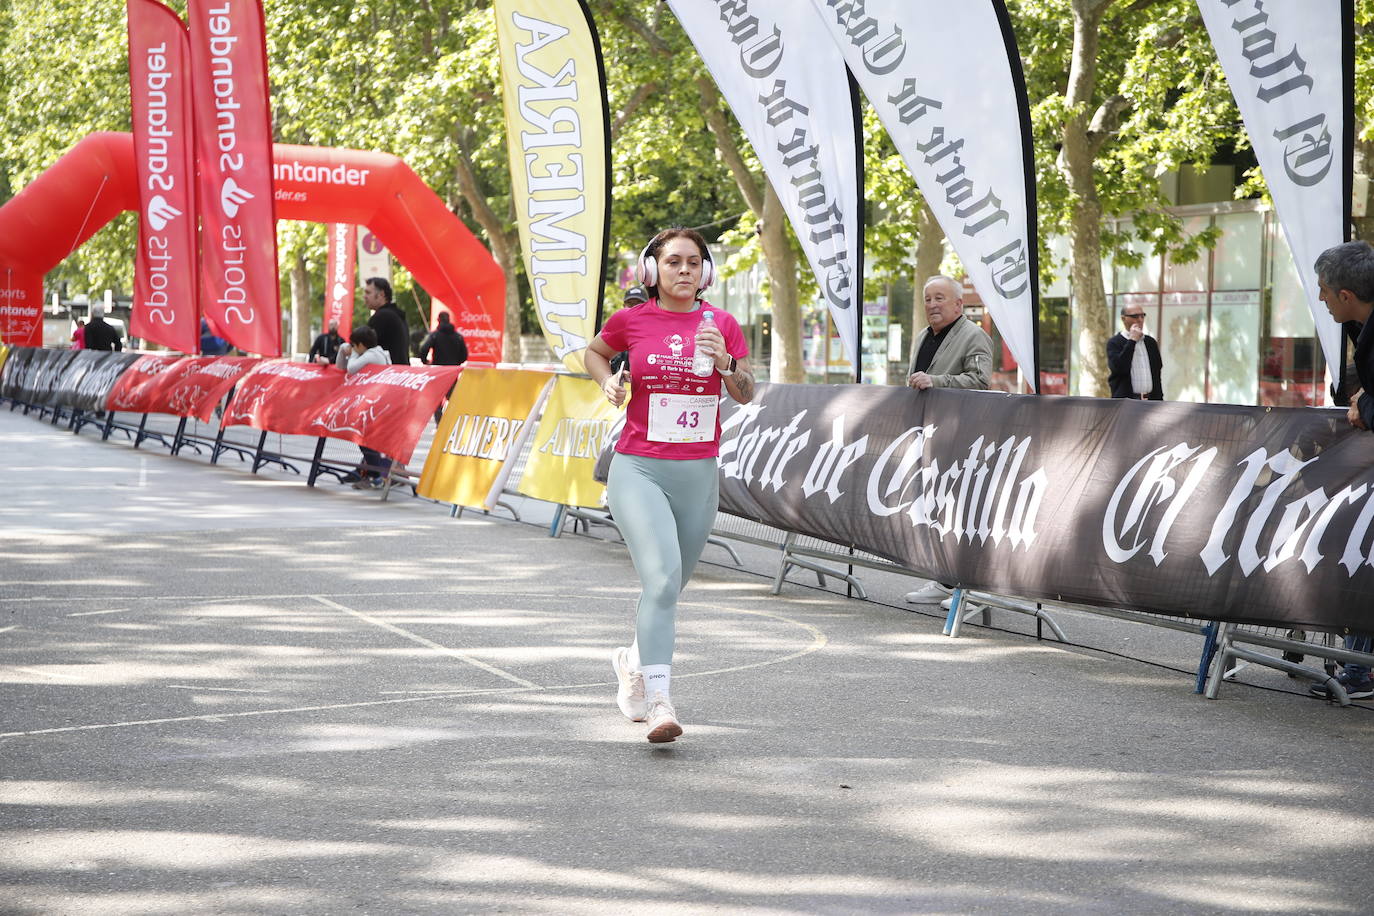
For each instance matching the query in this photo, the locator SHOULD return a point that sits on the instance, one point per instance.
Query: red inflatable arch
(95, 181)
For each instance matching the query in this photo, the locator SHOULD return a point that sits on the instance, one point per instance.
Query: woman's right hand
(614, 388)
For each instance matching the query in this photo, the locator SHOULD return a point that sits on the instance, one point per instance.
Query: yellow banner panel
(577, 424)
(475, 436)
(557, 135)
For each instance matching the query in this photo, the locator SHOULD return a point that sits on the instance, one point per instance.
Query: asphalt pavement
(231, 693)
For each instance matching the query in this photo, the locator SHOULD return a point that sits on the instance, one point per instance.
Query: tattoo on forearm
(744, 384)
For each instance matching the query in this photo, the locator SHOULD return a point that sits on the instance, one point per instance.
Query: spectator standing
(79, 336)
(393, 333)
(1345, 275)
(1133, 361)
(363, 350)
(444, 346)
(325, 349)
(100, 334)
(952, 352)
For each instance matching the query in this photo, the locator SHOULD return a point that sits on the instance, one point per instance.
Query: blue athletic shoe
(1360, 689)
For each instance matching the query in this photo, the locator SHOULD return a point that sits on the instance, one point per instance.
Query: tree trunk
(1364, 163)
(1077, 157)
(300, 307)
(786, 362)
(930, 253)
(505, 248)
(506, 255)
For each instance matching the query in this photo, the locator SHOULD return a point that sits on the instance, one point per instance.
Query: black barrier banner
(1252, 515)
(88, 378)
(62, 386)
(14, 375)
(78, 379)
(46, 375)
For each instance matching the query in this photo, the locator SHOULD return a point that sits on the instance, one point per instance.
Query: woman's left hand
(710, 339)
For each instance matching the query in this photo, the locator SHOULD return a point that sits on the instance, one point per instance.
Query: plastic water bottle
(704, 363)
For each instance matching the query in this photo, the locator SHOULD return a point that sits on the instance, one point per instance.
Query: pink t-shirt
(663, 388)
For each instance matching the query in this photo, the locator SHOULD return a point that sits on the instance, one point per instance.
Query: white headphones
(646, 268)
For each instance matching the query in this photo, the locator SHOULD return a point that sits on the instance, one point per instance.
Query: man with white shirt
(1133, 370)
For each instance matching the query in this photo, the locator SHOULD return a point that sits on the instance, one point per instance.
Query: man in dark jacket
(1345, 275)
(444, 347)
(100, 335)
(1133, 360)
(393, 334)
(325, 349)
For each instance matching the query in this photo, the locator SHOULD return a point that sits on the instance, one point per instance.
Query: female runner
(663, 487)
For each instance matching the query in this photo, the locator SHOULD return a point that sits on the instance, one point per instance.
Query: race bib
(682, 417)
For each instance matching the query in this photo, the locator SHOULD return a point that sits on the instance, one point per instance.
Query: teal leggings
(665, 510)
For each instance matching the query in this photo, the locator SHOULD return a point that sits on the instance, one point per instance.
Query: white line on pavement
(41, 672)
(818, 641)
(413, 637)
(202, 687)
(216, 717)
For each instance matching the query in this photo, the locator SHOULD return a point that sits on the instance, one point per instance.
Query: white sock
(656, 680)
(633, 656)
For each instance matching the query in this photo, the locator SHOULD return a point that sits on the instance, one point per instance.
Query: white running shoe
(931, 594)
(663, 723)
(629, 694)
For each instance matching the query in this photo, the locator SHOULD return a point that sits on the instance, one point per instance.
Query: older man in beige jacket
(952, 353)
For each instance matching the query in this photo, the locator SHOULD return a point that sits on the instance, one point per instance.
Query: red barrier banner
(21, 308)
(193, 388)
(384, 407)
(339, 281)
(281, 396)
(164, 306)
(137, 383)
(240, 296)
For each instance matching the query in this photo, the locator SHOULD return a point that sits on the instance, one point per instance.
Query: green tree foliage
(65, 75)
(1121, 92)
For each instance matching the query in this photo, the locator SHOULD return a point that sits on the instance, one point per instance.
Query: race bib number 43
(682, 417)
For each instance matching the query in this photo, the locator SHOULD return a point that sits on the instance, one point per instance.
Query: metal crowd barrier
(1227, 647)
(1295, 646)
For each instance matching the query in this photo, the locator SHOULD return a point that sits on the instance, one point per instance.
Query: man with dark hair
(1133, 361)
(1345, 274)
(100, 334)
(361, 351)
(393, 334)
(444, 346)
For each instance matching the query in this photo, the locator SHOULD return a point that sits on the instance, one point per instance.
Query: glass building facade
(1233, 326)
